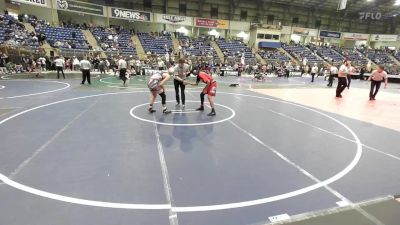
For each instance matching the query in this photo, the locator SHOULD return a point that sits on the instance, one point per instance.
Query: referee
(376, 79)
(85, 68)
(342, 78)
(181, 71)
(122, 66)
(333, 71)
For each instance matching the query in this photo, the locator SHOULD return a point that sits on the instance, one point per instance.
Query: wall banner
(212, 23)
(80, 7)
(383, 37)
(42, 3)
(329, 34)
(355, 36)
(173, 19)
(128, 14)
(305, 31)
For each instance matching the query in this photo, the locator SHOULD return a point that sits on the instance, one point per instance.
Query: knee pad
(163, 98)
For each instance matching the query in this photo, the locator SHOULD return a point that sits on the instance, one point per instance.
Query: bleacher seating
(155, 44)
(273, 55)
(235, 49)
(14, 34)
(378, 57)
(329, 54)
(121, 45)
(397, 55)
(64, 37)
(354, 56)
(300, 52)
(196, 47)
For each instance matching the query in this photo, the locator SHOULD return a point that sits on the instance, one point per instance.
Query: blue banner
(329, 34)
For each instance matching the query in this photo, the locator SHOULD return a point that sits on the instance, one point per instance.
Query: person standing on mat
(156, 86)
(342, 78)
(210, 90)
(60, 63)
(362, 72)
(376, 79)
(85, 68)
(122, 66)
(333, 71)
(314, 70)
(351, 70)
(181, 71)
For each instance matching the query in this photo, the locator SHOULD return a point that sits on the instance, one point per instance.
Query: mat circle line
(37, 93)
(131, 112)
(201, 208)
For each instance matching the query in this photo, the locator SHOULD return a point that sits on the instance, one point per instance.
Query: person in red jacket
(210, 90)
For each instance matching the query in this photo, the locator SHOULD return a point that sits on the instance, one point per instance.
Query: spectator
(59, 63)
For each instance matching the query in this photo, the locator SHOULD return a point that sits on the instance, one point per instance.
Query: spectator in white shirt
(314, 70)
(60, 63)
(75, 64)
(42, 61)
(332, 73)
(161, 64)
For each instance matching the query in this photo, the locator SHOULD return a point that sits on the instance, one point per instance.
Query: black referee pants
(122, 73)
(60, 69)
(342, 84)
(86, 75)
(375, 85)
(178, 84)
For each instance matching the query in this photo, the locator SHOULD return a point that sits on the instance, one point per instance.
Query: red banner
(223, 24)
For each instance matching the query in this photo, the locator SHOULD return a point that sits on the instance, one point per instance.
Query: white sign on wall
(355, 36)
(383, 37)
(173, 19)
(42, 3)
(239, 25)
(305, 31)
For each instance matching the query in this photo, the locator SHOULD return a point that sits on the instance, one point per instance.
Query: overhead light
(397, 3)
(183, 30)
(242, 34)
(213, 32)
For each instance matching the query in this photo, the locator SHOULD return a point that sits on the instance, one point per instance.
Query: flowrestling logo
(130, 14)
(174, 19)
(370, 15)
(62, 4)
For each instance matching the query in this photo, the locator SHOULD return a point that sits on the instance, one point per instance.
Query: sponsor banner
(355, 36)
(383, 37)
(42, 3)
(212, 23)
(128, 14)
(80, 7)
(173, 19)
(305, 31)
(329, 34)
